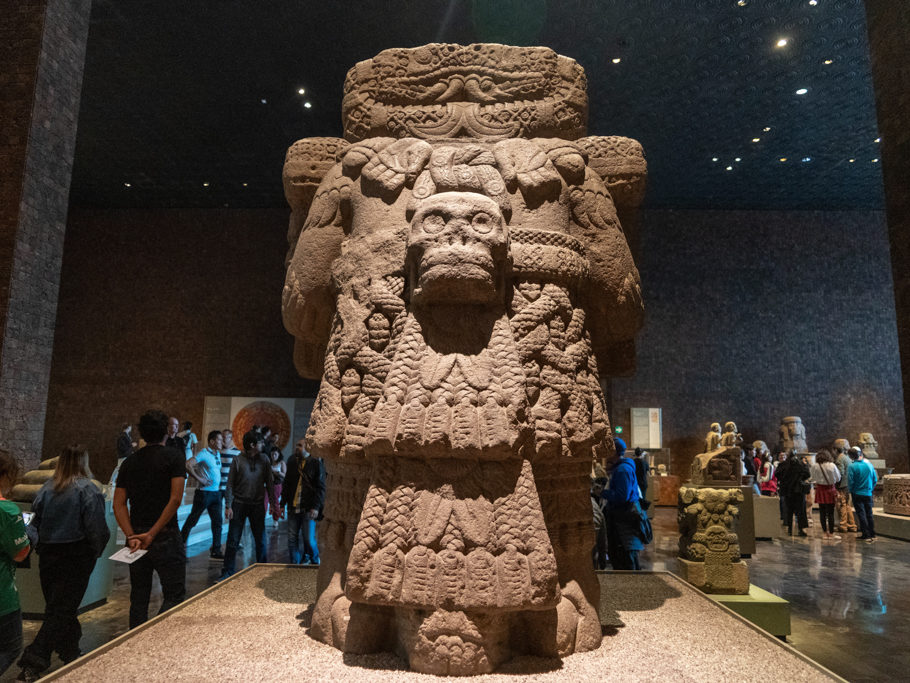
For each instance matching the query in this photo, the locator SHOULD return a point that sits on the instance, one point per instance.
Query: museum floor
(850, 606)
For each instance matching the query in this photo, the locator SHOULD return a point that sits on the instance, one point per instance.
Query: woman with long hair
(825, 476)
(72, 534)
(14, 547)
(766, 481)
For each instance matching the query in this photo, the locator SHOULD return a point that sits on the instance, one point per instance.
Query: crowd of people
(841, 478)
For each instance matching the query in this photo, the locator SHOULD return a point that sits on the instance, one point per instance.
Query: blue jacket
(623, 485)
(861, 478)
(74, 514)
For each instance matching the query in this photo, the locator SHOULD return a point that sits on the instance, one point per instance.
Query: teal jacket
(861, 478)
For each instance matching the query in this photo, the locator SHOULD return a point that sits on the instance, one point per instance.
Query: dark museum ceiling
(193, 103)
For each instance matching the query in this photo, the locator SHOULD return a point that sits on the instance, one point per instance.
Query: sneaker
(834, 537)
(870, 540)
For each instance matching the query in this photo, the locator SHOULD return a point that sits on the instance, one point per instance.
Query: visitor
(861, 479)
(825, 476)
(793, 480)
(599, 552)
(845, 519)
(174, 440)
(205, 468)
(151, 481)
(125, 444)
(228, 452)
(72, 534)
(807, 490)
(249, 481)
(189, 439)
(767, 482)
(641, 475)
(14, 547)
(303, 495)
(623, 513)
(279, 470)
(781, 503)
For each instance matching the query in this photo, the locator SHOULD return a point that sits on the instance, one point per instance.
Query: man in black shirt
(151, 480)
(174, 441)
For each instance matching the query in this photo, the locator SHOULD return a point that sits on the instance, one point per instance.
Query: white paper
(127, 556)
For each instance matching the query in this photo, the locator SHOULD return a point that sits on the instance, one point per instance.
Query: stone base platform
(893, 526)
(764, 609)
(671, 632)
(708, 577)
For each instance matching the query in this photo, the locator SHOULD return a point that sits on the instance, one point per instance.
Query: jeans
(10, 638)
(64, 571)
(167, 556)
(826, 513)
(210, 501)
(863, 506)
(297, 523)
(255, 512)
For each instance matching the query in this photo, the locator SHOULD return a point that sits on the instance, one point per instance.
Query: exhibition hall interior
(495, 339)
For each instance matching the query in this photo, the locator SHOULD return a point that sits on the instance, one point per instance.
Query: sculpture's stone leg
(452, 643)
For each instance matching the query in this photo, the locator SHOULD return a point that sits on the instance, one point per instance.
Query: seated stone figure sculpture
(459, 280)
(720, 464)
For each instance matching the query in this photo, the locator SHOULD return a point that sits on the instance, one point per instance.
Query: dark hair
(854, 453)
(214, 434)
(280, 453)
(250, 438)
(153, 426)
(9, 467)
(187, 425)
(125, 426)
(823, 456)
(265, 430)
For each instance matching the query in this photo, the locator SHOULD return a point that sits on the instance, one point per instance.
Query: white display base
(893, 526)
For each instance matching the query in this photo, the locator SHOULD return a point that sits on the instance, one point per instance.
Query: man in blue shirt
(861, 479)
(623, 513)
(205, 468)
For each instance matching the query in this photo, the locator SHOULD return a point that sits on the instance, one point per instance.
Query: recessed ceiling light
(766, 128)
(807, 159)
(713, 158)
(245, 184)
(802, 91)
(813, 2)
(781, 42)
(729, 168)
(126, 185)
(301, 91)
(263, 101)
(307, 105)
(877, 140)
(875, 161)
(737, 159)
(783, 159)
(742, 3)
(756, 139)
(829, 61)
(205, 184)
(852, 160)
(617, 60)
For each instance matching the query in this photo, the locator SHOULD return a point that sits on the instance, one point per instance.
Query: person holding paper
(151, 480)
(72, 533)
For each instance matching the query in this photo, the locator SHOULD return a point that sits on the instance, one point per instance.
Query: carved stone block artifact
(459, 281)
(792, 435)
(709, 556)
(869, 445)
(896, 494)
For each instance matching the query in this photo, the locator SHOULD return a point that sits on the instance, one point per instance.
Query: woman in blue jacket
(623, 513)
(72, 534)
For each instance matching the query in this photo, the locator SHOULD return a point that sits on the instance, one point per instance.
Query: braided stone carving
(458, 277)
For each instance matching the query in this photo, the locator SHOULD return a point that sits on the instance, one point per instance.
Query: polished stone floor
(850, 601)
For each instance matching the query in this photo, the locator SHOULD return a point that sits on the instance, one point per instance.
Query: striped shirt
(227, 457)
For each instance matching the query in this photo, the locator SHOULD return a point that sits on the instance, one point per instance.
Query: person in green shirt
(14, 547)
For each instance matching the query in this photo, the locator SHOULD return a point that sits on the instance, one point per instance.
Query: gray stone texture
(889, 42)
(43, 53)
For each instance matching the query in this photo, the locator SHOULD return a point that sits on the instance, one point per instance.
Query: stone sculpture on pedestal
(792, 435)
(460, 282)
(721, 464)
(712, 439)
(868, 443)
(709, 556)
(896, 494)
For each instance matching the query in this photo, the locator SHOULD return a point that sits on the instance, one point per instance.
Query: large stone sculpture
(792, 435)
(869, 445)
(460, 282)
(709, 556)
(896, 494)
(712, 439)
(721, 463)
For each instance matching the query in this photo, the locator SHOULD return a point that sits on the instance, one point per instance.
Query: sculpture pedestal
(712, 578)
(767, 517)
(893, 526)
(764, 609)
(667, 490)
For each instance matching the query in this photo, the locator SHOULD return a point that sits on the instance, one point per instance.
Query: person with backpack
(625, 517)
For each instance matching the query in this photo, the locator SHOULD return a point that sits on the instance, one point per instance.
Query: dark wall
(159, 309)
(752, 316)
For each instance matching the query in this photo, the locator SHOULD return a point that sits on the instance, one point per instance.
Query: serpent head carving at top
(458, 280)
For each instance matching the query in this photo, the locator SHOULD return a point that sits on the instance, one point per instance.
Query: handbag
(645, 532)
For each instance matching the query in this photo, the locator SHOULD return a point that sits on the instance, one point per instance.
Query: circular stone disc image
(263, 413)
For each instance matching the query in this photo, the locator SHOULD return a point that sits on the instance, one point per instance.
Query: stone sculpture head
(715, 427)
(730, 427)
(841, 446)
(459, 280)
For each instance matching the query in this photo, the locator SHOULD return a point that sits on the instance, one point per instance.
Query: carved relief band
(896, 494)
